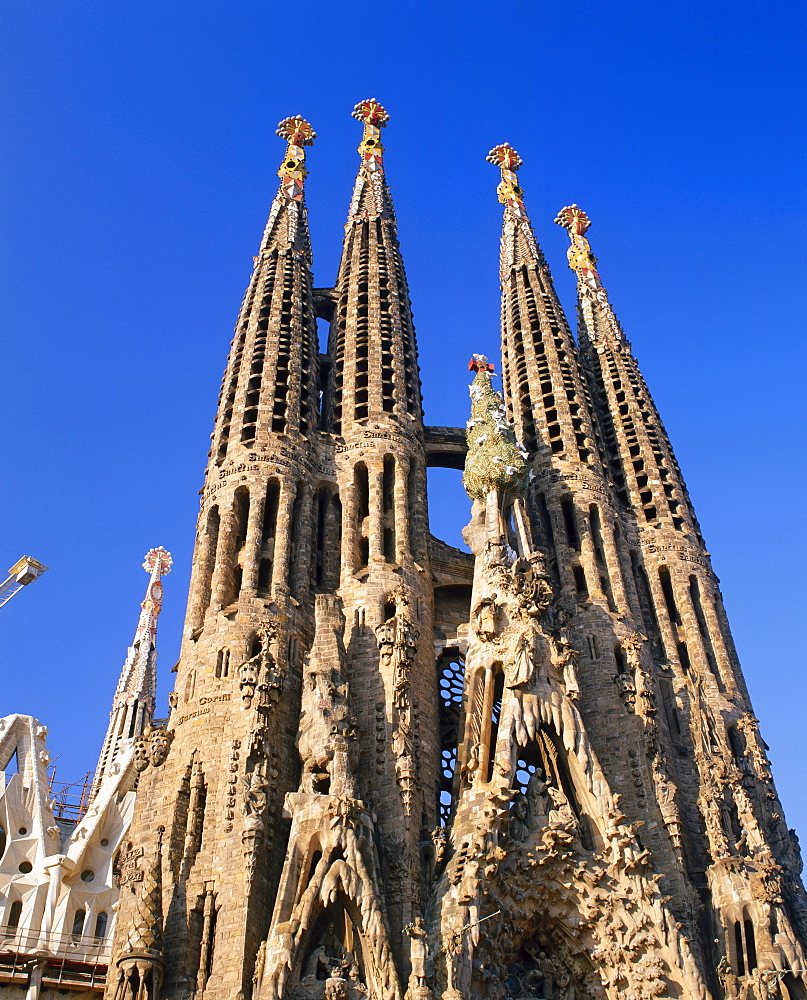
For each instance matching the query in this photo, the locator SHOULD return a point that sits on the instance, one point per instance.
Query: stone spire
(133, 704)
(372, 342)
(639, 454)
(545, 394)
(270, 385)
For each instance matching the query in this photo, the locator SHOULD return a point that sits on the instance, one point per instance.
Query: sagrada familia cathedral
(394, 770)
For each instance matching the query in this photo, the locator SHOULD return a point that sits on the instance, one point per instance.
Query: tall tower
(133, 704)
(396, 771)
(737, 851)
(218, 793)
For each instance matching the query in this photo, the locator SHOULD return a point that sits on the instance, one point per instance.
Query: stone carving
(485, 619)
(564, 658)
(259, 672)
(627, 690)
(255, 800)
(327, 735)
(419, 959)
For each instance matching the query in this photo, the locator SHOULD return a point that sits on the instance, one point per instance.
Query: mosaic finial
(574, 219)
(158, 562)
(508, 161)
(581, 260)
(296, 130)
(495, 462)
(375, 117)
(504, 156)
(298, 134)
(371, 113)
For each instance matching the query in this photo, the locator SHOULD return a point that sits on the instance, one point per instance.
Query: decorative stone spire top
(298, 134)
(583, 262)
(138, 679)
(508, 161)
(292, 173)
(375, 117)
(135, 695)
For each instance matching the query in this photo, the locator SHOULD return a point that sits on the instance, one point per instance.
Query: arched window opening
(621, 660)
(101, 922)
(14, 914)
(361, 486)
(750, 944)
(580, 584)
(599, 555)
(451, 680)
(299, 571)
(543, 535)
(570, 523)
(647, 605)
(207, 562)
(683, 657)
(268, 536)
(495, 715)
(78, 924)
(669, 596)
(703, 628)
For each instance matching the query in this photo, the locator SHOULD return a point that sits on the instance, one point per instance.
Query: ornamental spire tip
(374, 117)
(509, 191)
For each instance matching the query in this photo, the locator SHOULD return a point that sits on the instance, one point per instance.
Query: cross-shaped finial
(296, 130)
(504, 156)
(574, 219)
(371, 113)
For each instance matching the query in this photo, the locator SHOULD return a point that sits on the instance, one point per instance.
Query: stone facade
(397, 770)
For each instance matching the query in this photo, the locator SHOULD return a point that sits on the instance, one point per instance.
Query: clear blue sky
(138, 166)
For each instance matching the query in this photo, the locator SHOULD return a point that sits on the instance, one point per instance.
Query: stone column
(376, 484)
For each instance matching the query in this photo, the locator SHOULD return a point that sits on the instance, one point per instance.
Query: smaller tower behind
(134, 701)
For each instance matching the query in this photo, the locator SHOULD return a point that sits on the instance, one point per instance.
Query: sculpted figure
(565, 659)
(519, 827)
(486, 619)
(419, 955)
(523, 667)
(538, 797)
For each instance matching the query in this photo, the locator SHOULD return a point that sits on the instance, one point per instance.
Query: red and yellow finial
(374, 117)
(508, 161)
(298, 134)
(581, 260)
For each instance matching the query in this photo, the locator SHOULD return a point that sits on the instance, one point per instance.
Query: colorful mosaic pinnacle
(375, 117)
(158, 562)
(581, 260)
(508, 161)
(292, 173)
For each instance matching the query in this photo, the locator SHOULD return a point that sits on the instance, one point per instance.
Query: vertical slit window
(361, 485)
(388, 506)
(570, 523)
(495, 716)
(669, 596)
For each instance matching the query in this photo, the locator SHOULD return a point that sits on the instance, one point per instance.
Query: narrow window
(739, 948)
(361, 486)
(14, 915)
(750, 944)
(703, 628)
(669, 596)
(570, 523)
(683, 656)
(495, 714)
(580, 584)
(101, 922)
(298, 570)
(208, 545)
(388, 500)
(78, 924)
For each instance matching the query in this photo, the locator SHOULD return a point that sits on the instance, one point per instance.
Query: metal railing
(63, 946)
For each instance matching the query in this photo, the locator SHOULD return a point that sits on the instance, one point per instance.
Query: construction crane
(23, 572)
